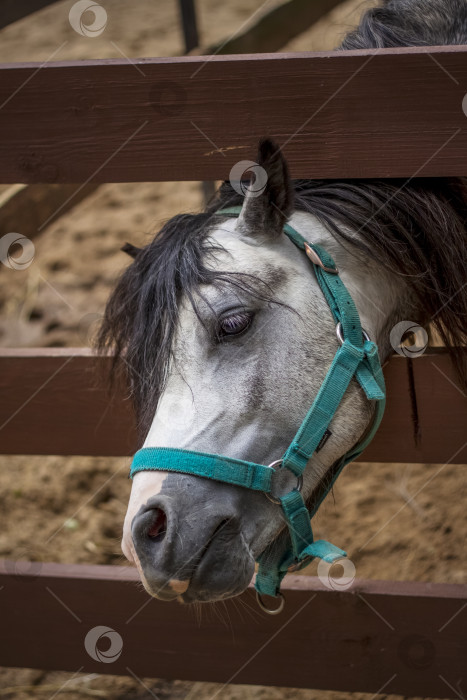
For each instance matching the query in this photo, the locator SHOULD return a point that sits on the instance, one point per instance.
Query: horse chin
(214, 579)
(222, 572)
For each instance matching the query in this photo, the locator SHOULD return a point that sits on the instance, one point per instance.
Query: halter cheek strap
(356, 357)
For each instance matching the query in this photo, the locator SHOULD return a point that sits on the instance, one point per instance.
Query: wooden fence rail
(325, 640)
(388, 113)
(51, 402)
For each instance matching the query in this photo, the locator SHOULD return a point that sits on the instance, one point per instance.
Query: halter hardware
(316, 260)
(271, 611)
(356, 357)
(340, 334)
(279, 464)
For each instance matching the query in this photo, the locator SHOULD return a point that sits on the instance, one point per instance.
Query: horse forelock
(142, 314)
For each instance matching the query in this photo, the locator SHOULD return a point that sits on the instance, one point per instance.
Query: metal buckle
(271, 611)
(314, 257)
(278, 465)
(340, 334)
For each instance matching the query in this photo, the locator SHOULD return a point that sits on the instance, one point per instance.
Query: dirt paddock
(402, 522)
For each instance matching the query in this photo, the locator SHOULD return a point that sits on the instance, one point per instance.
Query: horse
(225, 336)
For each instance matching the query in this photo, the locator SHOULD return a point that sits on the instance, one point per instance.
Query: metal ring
(278, 464)
(340, 334)
(271, 611)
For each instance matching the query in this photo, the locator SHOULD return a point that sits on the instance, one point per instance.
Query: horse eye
(234, 325)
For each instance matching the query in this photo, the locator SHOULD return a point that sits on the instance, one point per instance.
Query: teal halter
(357, 357)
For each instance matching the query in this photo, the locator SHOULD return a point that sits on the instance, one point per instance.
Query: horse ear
(130, 249)
(269, 196)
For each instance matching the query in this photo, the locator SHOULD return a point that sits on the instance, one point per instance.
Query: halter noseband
(357, 357)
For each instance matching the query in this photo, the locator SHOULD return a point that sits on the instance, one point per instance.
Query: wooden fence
(389, 113)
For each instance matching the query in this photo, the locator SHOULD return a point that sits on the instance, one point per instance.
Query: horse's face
(244, 369)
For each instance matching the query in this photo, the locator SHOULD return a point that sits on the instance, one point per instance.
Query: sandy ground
(402, 522)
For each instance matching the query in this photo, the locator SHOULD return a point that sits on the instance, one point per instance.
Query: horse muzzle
(188, 544)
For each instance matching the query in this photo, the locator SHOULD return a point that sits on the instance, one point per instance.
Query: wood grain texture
(51, 402)
(389, 113)
(378, 634)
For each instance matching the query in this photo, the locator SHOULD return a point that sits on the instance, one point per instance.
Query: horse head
(227, 337)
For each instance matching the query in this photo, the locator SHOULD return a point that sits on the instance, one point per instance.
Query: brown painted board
(56, 396)
(30, 208)
(187, 12)
(439, 396)
(378, 636)
(386, 113)
(51, 402)
(12, 10)
(431, 427)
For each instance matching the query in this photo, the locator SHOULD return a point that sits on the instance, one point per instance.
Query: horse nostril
(158, 526)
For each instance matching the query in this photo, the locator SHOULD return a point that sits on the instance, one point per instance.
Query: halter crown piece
(357, 357)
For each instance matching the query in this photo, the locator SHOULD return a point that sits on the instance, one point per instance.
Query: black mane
(410, 23)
